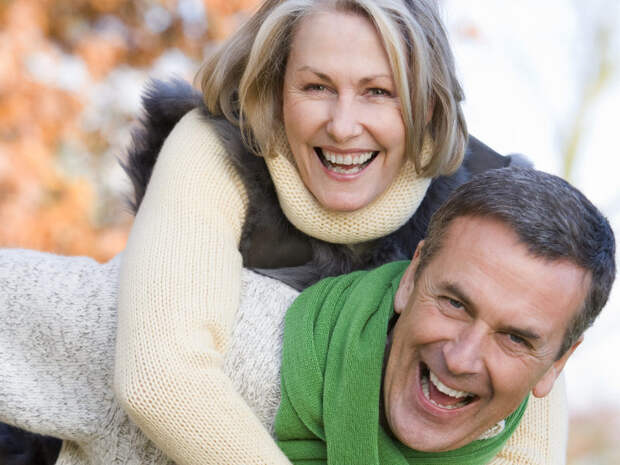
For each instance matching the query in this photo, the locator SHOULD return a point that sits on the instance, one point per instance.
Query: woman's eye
(379, 92)
(454, 303)
(315, 87)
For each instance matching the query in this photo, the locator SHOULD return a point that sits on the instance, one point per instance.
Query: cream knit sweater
(57, 331)
(179, 294)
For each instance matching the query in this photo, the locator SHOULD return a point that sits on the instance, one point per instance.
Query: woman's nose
(344, 119)
(463, 353)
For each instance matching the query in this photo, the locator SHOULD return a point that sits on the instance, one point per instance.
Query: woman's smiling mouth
(345, 163)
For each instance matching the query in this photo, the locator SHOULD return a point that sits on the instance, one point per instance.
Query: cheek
(401, 360)
(427, 324)
(301, 118)
(388, 128)
(512, 378)
(291, 118)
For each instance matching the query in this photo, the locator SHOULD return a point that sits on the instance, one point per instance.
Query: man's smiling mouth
(350, 163)
(441, 395)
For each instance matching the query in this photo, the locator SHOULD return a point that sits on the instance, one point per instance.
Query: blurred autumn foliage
(594, 438)
(71, 72)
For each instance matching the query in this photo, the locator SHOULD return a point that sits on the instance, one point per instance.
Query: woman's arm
(541, 437)
(179, 293)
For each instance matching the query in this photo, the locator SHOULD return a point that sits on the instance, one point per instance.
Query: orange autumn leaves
(40, 206)
(53, 196)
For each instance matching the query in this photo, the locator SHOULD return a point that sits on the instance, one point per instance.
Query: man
(515, 267)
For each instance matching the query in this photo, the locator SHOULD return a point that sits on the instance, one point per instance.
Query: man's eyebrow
(522, 332)
(458, 293)
(325, 77)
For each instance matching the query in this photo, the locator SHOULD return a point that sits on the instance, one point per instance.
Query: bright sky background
(522, 65)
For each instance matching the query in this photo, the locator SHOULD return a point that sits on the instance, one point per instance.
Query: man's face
(480, 328)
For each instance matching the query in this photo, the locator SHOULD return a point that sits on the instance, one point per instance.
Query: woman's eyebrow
(371, 78)
(325, 77)
(319, 74)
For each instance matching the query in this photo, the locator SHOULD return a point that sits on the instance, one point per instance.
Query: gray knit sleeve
(57, 331)
(252, 360)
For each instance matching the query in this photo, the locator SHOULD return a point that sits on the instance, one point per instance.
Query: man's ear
(405, 288)
(544, 385)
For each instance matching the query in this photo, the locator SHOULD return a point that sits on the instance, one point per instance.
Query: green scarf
(334, 344)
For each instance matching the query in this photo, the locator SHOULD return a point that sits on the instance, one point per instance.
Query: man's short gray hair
(551, 218)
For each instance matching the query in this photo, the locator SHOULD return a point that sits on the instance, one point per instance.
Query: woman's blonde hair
(243, 80)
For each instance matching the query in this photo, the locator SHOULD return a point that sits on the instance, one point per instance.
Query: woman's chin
(344, 203)
(347, 195)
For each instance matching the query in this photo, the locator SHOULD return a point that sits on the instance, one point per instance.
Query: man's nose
(463, 353)
(344, 119)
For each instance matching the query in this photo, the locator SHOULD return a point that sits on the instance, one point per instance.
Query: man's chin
(420, 425)
(436, 441)
(429, 441)
(425, 435)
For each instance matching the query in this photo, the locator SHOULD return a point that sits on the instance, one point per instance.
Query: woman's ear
(405, 288)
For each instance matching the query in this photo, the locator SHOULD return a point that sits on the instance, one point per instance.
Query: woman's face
(341, 112)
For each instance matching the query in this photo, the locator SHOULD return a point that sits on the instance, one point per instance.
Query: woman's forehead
(331, 40)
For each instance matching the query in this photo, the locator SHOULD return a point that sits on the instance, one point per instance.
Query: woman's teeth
(348, 159)
(465, 396)
(338, 169)
(347, 163)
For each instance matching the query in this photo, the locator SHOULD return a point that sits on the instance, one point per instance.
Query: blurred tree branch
(598, 73)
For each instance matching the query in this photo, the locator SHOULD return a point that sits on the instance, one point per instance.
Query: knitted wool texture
(57, 332)
(179, 293)
(382, 216)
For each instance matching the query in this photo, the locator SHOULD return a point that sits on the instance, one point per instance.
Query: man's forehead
(483, 262)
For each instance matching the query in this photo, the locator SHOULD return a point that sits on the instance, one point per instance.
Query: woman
(352, 107)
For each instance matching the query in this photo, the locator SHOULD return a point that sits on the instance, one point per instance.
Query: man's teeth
(444, 389)
(348, 159)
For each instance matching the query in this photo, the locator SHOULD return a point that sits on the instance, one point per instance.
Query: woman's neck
(379, 218)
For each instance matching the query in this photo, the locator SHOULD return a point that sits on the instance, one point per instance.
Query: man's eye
(518, 340)
(453, 308)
